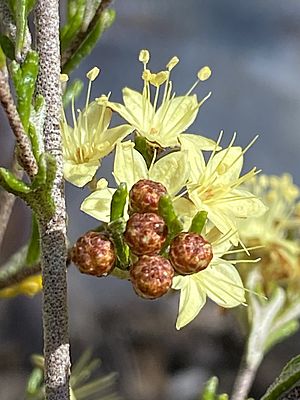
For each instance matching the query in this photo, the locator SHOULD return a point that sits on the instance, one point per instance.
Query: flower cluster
(183, 210)
(277, 231)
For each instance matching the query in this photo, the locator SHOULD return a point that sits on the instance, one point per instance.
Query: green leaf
(117, 229)
(24, 78)
(210, 389)
(41, 176)
(35, 381)
(34, 248)
(105, 20)
(7, 47)
(34, 140)
(36, 126)
(118, 202)
(11, 183)
(2, 58)
(74, 24)
(282, 333)
(198, 222)
(72, 8)
(142, 146)
(21, 24)
(72, 91)
(289, 377)
(223, 396)
(167, 212)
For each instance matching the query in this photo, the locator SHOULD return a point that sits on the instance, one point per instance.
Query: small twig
(245, 376)
(25, 155)
(15, 273)
(8, 28)
(53, 230)
(7, 200)
(12, 273)
(80, 37)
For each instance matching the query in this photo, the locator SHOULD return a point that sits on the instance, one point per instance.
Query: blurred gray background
(253, 48)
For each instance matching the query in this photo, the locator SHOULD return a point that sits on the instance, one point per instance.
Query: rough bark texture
(53, 232)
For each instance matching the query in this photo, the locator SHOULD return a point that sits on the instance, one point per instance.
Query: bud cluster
(145, 234)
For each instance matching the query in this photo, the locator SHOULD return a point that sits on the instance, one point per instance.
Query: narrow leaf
(8, 47)
(210, 389)
(34, 248)
(284, 384)
(85, 48)
(118, 202)
(13, 184)
(198, 222)
(72, 91)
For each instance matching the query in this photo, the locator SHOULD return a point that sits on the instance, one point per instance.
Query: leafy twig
(81, 36)
(26, 157)
(8, 28)
(7, 201)
(245, 377)
(14, 270)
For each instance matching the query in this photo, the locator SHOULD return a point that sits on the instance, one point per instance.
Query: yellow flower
(274, 229)
(130, 166)
(281, 195)
(220, 281)
(163, 124)
(215, 186)
(29, 287)
(90, 139)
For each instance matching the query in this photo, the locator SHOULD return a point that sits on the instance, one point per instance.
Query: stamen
(246, 261)
(144, 57)
(244, 247)
(204, 73)
(93, 73)
(73, 112)
(172, 63)
(245, 149)
(243, 251)
(224, 156)
(224, 238)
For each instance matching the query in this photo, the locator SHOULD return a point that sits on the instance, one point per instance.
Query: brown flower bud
(190, 253)
(145, 233)
(144, 196)
(151, 276)
(94, 254)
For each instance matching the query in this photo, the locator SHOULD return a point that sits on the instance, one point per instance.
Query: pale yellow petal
(140, 108)
(186, 210)
(222, 284)
(172, 171)
(80, 174)
(244, 204)
(98, 203)
(112, 136)
(90, 121)
(195, 157)
(129, 165)
(225, 221)
(192, 299)
(198, 142)
(180, 114)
